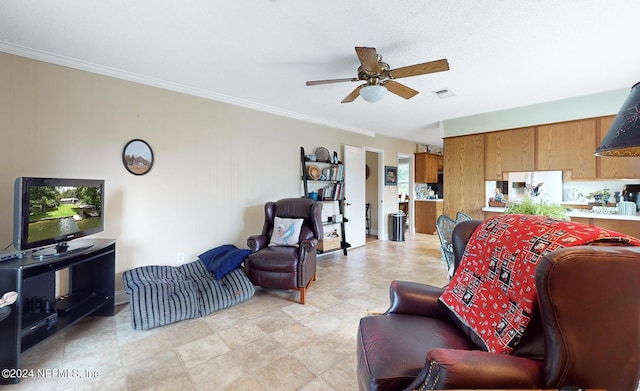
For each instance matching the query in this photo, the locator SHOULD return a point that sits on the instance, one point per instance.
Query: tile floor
(269, 342)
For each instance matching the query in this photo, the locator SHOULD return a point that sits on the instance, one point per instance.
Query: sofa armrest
(308, 245)
(413, 298)
(257, 242)
(459, 238)
(450, 368)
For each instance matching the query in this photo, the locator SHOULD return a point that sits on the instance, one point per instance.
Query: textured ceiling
(259, 53)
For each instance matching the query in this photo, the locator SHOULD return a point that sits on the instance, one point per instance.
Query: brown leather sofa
(585, 331)
(286, 267)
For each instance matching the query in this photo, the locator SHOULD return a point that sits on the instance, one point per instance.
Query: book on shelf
(334, 173)
(333, 192)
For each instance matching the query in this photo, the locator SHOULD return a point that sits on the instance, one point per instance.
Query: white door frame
(382, 226)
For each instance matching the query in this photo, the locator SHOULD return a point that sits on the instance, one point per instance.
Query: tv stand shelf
(91, 292)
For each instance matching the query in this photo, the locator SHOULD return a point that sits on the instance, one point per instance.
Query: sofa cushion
(195, 269)
(493, 291)
(286, 232)
(218, 293)
(396, 346)
(208, 257)
(228, 262)
(222, 259)
(278, 259)
(160, 294)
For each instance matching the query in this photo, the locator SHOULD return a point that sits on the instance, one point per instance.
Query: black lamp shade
(623, 137)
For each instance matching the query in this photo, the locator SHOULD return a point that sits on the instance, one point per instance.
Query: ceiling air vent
(445, 93)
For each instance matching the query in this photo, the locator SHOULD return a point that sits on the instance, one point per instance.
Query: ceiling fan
(379, 78)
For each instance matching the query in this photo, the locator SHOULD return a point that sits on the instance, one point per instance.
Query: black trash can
(397, 226)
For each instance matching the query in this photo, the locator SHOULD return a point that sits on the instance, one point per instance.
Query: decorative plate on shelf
(314, 171)
(322, 154)
(422, 191)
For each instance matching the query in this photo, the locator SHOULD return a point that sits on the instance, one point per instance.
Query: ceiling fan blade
(420, 69)
(369, 59)
(400, 89)
(353, 95)
(328, 81)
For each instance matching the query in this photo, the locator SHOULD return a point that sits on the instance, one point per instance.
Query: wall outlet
(180, 258)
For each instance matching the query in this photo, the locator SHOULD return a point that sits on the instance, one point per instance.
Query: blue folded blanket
(221, 260)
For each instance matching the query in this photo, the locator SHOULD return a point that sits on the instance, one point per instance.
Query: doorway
(374, 167)
(405, 189)
(364, 194)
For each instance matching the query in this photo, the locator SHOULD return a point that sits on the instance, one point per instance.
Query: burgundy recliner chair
(585, 331)
(286, 267)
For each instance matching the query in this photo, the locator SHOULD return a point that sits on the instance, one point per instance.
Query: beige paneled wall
(392, 147)
(215, 164)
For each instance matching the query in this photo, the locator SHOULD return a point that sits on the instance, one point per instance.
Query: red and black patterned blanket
(493, 291)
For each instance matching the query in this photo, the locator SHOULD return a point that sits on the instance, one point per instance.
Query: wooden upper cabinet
(426, 168)
(464, 186)
(615, 167)
(568, 146)
(509, 151)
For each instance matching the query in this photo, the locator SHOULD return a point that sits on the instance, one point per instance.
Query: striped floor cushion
(161, 295)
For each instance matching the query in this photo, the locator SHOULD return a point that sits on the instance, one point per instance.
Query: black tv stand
(37, 315)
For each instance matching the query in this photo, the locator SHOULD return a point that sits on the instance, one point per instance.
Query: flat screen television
(49, 213)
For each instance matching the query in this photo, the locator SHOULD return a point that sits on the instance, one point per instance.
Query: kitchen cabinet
(509, 151)
(426, 167)
(464, 186)
(610, 167)
(629, 227)
(427, 212)
(488, 215)
(622, 224)
(568, 146)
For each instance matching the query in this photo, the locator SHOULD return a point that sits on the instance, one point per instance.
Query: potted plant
(600, 195)
(542, 208)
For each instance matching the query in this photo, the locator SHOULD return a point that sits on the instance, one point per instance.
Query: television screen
(53, 211)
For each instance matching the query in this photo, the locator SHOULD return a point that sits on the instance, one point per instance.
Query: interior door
(354, 194)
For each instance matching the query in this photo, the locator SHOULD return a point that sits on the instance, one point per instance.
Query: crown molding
(86, 66)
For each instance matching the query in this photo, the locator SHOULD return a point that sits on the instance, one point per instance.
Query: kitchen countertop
(585, 214)
(432, 200)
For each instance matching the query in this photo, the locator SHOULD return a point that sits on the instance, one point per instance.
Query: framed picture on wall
(390, 176)
(137, 157)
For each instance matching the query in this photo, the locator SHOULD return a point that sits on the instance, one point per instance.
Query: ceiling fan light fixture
(623, 137)
(373, 93)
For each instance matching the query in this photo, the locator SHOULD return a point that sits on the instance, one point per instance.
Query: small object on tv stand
(35, 322)
(70, 302)
(61, 249)
(6, 255)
